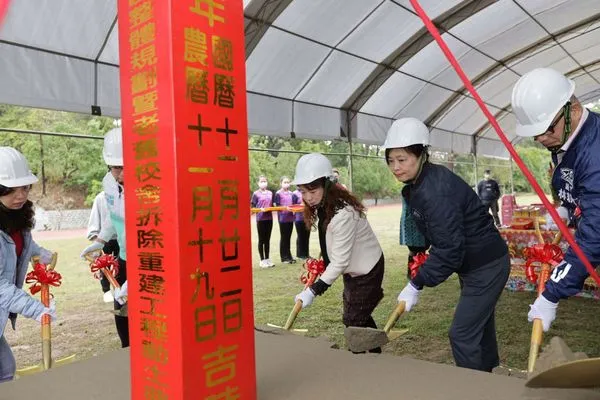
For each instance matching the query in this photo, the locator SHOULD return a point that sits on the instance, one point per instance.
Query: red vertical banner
(183, 94)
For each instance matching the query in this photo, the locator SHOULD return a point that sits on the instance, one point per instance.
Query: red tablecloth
(518, 241)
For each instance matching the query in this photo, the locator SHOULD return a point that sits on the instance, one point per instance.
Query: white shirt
(567, 144)
(352, 246)
(98, 215)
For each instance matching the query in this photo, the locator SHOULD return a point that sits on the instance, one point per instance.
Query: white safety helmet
(14, 169)
(311, 167)
(113, 148)
(536, 99)
(405, 132)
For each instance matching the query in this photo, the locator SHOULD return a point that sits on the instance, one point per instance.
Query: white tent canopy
(326, 69)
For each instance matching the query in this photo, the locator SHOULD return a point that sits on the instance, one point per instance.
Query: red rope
(3, 10)
(543, 254)
(314, 269)
(107, 261)
(417, 260)
(561, 225)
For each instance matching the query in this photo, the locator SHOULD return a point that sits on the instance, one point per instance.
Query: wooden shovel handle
(290, 321)
(536, 341)
(398, 311)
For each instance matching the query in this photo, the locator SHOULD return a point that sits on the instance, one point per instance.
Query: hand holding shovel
(108, 265)
(42, 277)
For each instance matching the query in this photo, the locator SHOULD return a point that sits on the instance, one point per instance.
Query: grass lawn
(86, 326)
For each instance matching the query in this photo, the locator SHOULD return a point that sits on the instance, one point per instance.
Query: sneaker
(270, 263)
(108, 297)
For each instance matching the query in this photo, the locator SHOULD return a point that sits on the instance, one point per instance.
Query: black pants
(473, 330)
(360, 297)
(264, 229)
(111, 247)
(285, 230)
(302, 240)
(493, 206)
(122, 323)
(413, 251)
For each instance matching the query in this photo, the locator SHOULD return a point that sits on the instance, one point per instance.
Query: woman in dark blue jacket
(463, 240)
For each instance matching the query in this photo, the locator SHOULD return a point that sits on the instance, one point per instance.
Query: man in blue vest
(546, 109)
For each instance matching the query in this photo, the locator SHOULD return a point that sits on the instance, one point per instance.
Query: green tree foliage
(78, 162)
(70, 161)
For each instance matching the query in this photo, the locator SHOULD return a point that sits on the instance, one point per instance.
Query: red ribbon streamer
(417, 260)
(314, 269)
(469, 86)
(41, 276)
(542, 254)
(107, 261)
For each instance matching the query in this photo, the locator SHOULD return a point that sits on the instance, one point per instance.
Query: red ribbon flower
(107, 261)
(314, 269)
(540, 254)
(41, 276)
(418, 260)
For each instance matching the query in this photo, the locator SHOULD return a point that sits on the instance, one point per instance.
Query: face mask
(285, 186)
(262, 185)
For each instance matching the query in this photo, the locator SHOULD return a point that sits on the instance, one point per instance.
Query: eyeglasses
(552, 125)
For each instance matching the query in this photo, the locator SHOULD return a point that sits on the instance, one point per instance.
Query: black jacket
(488, 190)
(451, 217)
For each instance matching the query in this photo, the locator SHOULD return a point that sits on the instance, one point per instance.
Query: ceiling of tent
(323, 69)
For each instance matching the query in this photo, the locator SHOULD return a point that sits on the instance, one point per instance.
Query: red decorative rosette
(41, 276)
(418, 260)
(106, 261)
(314, 269)
(540, 254)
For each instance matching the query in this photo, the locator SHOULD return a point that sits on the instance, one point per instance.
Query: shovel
(361, 339)
(537, 330)
(314, 269)
(571, 375)
(107, 264)
(42, 277)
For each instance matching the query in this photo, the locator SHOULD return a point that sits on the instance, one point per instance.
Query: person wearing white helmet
(114, 225)
(463, 240)
(348, 245)
(546, 110)
(16, 249)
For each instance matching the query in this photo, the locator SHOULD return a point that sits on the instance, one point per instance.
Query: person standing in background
(336, 176)
(263, 198)
(489, 193)
(100, 213)
(302, 232)
(284, 197)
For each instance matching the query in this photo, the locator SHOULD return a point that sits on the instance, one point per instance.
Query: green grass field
(85, 326)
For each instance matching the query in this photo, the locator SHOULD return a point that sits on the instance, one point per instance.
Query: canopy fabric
(326, 69)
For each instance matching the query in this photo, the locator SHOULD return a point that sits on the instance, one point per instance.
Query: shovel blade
(571, 375)
(360, 339)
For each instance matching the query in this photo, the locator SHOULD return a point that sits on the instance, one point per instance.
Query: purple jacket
(284, 198)
(263, 199)
(297, 199)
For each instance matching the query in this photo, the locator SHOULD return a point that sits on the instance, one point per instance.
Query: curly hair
(335, 198)
(22, 219)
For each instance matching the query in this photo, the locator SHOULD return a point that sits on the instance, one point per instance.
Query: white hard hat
(311, 167)
(405, 132)
(14, 169)
(113, 148)
(536, 99)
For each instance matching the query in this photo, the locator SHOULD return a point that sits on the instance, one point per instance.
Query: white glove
(409, 295)
(95, 246)
(46, 257)
(306, 297)
(51, 311)
(120, 293)
(542, 309)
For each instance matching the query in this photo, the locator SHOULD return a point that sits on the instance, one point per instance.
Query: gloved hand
(306, 297)
(48, 310)
(95, 246)
(121, 293)
(409, 295)
(46, 257)
(542, 309)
